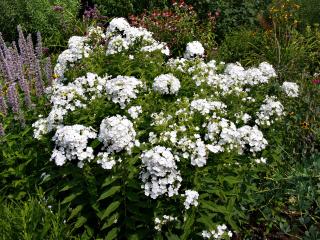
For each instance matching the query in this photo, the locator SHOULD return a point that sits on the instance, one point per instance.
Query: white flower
(117, 134)
(71, 143)
(291, 89)
(270, 111)
(194, 49)
(134, 111)
(122, 89)
(191, 198)
(166, 84)
(160, 175)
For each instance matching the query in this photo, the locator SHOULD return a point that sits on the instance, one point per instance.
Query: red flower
(316, 81)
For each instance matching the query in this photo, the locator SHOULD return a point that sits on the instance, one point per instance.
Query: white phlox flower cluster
(253, 138)
(67, 98)
(159, 174)
(77, 49)
(120, 36)
(122, 89)
(71, 143)
(106, 160)
(191, 198)
(220, 232)
(271, 110)
(166, 84)
(134, 111)
(224, 135)
(291, 89)
(194, 49)
(117, 134)
(205, 107)
(159, 222)
(195, 150)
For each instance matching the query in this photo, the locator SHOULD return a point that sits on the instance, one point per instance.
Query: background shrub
(56, 23)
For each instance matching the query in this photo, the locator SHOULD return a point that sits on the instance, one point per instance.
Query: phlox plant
(144, 146)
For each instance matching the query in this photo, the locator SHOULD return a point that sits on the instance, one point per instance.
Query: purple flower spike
(48, 70)
(22, 46)
(3, 105)
(13, 99)
(39, 50)
(2, 133)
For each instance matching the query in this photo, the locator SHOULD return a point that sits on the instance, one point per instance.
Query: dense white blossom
(122, 89)
(160, 175)
(204, 106)
(166, 84)
(191, 198)
(291, 89)
(271, 110)
(117, 134)
(77, 49)
(71, 143)
(194, 49)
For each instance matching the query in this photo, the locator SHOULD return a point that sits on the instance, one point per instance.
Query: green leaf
(111, 220)
(111, 208)
(75, 211)
(112, 234)
(67, 187)
(80, 221)
(110, 192)
(108, 181)
(70, 198)
(187, 228)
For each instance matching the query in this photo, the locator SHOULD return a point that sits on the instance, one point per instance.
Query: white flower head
(291, 89)
(117, 134)
(166, 84)
(194, 49)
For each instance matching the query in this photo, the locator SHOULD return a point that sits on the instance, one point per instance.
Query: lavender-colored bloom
(2, 43)
(2, 133)
(31, 58)
(3, 105)
(48, 71)
(13, 99)
(39, 46)
(9, 65)
(23, 83)
(22, 45)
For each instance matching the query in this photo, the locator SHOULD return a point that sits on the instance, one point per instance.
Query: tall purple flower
(2, 133)
(13, 99)
(22, 45)
(48, 71)
(31, 58)
(23, 83)
(3, 105)
(39, 50)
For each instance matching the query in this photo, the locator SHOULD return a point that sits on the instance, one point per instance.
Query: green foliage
(32, 219)
(39, 15)
(231, 14)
